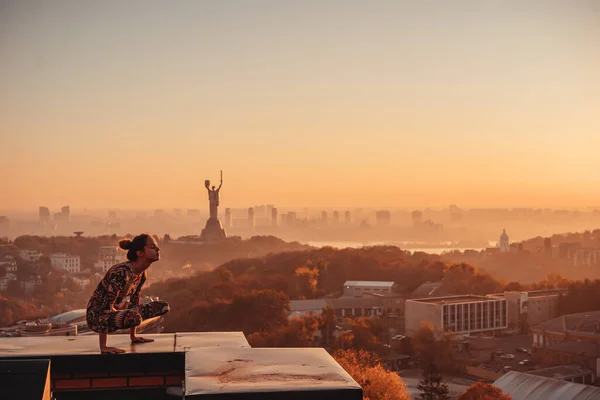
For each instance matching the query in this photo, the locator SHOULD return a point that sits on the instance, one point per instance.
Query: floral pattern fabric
(119, 282)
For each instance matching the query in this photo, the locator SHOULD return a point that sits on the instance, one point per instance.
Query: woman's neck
(138, 266)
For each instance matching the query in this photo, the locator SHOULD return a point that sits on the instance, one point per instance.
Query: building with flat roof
(527, 309)
(360, 288)
(66, 262)
(193, 365)
(466, 314)
(580, 327)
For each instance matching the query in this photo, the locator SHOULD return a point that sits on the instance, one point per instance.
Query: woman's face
(151, 250)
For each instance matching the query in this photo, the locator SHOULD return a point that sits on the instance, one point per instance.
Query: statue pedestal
(213, 231)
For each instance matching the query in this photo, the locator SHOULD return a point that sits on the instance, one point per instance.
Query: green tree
(431, 386)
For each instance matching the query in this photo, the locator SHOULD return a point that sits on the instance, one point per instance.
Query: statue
(213, 231)
(213, 197)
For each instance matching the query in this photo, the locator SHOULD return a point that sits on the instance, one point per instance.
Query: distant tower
(44, 215)
(336, 217)
(324, 216)
(65, 213)
(347, 216)
(228, 218)
(273, 217)
(383, 218)
(417, 218)
(251, 218)
(504, 242)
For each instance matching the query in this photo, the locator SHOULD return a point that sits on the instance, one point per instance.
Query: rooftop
(370, 283)
(548, 292)
(207, 365)
(454, 299)
(587, 322)
(563, 372)
(523, 386)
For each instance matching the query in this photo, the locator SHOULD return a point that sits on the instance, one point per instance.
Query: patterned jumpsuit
(119, 282)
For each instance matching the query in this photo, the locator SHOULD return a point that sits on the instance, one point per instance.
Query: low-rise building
(30, 255)
(66, 262)
(361, 288)
(109, 256)
(525, 386)
(528, 309)
(348, 307)
(82, 282)
(580, 327)
(9, 264)
(29, 285)
(457, 314)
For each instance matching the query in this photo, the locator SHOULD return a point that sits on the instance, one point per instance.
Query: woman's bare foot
(139, 339)
(111, 350)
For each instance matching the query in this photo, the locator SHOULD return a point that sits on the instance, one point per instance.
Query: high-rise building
(44, 214)
(65, 212)
(336, 217)
(273, 216)
(383, 217)
(417, 218)
(504, 243)
(324, 216)
(347, 216)
(228, 218)
(251, 220)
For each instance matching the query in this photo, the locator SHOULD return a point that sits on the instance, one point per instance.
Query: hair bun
(125, 244)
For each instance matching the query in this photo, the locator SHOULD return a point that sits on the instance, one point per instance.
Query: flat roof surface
(370, 283)
(258, 370)
(562, 372)
(88, 344)
(455, 299)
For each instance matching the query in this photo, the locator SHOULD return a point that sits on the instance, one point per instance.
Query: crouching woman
(106, 310)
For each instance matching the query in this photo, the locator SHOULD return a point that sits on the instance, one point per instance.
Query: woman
(106, 311)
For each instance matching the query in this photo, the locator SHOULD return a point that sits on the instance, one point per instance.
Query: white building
(10, 276)
(457, 314)
(29, 285)
(30, 255)
(9, 264)
(360, 288)
(65, 262)
(3, 284)
(109, 256)
(82, 282)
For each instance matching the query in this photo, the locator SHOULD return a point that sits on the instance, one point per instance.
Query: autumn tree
(327, 326)
(431, 386)
(366, 369)
(431, 350)
(299, 332)
(484, 391)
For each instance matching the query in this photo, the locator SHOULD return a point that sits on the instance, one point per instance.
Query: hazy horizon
(337, 104)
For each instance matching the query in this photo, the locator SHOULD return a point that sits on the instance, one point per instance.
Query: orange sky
(308, 104)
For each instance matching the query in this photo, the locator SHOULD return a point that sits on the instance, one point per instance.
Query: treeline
(211, 300)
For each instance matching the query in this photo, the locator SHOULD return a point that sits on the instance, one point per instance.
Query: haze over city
(299, 199)
(308, 104)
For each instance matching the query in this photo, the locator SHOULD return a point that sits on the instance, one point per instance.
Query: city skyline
(391, 104)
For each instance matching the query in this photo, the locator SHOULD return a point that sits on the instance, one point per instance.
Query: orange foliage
(366, 369)
(484, 391)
